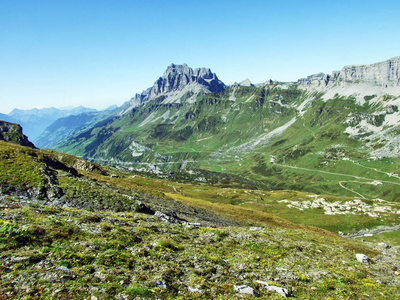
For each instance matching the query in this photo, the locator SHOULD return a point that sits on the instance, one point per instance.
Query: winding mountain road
(337, 174)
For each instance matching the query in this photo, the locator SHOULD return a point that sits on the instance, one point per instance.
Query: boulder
(282, 291)
(245, 289)
(362, 258)
(383, 245)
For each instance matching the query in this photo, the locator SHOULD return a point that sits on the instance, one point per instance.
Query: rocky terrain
(49, 251)
(12, 133)
(385, 74)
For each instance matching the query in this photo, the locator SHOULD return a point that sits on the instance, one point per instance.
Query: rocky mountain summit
(178, 81)
(176, 77)
(11, 132)
(385, 74)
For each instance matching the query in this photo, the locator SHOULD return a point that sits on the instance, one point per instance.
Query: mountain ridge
(385, 74)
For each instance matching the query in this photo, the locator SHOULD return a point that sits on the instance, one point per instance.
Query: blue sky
(98, 53)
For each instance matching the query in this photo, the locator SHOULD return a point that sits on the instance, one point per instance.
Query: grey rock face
(245, 289)
(382, 73)
(176, 78)
(12, 133)
(282, 291)
(319, 79)
(246, 82)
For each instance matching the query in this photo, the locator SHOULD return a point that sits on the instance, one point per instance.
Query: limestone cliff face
(385, 74)
(12, 133)
(319, 79)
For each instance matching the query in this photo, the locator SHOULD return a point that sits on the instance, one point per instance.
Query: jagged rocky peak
(12, 133)
(175, 82)
(246, 82)
(176, 77)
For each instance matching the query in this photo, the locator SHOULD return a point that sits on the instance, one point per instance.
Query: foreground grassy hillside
(73, 229)
(59, 253)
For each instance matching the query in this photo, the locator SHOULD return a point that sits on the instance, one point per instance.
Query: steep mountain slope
(64, 127)
(335, 134)
(12, 133)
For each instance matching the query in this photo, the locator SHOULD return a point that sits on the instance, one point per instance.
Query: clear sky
(97, 53)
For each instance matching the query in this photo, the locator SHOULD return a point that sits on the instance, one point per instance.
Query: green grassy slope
(238, 131)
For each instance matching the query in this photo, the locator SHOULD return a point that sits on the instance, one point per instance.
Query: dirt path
(338, 174)
(341, 184)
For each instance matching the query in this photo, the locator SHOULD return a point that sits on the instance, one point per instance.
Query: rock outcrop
(11, 132)
(384, 74)
(319, 79)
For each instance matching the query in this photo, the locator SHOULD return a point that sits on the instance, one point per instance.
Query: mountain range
(346, 123)
(343, 123)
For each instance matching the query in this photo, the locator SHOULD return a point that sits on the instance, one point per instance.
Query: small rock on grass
(362, 258)
(64, 269)
(282, 291)
(245, 289)
(160, 284)
(383, 245)
(195, 290)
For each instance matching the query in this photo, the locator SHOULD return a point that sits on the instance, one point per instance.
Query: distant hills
(190, 119)
(35, 121)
